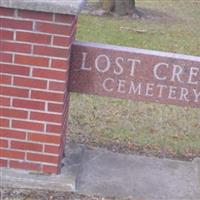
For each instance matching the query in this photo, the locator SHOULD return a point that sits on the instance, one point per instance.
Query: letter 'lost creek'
(136, 74)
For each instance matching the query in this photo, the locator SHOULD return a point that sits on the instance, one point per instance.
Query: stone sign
(136, 74)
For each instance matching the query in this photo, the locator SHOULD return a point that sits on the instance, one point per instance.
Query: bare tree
(120, 7)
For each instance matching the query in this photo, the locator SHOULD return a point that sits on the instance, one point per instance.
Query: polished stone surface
(136, 74)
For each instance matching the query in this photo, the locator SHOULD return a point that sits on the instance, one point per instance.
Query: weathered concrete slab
(111, 174)
(54, 6)
(13, 178)
(98, 171)
(137, 74)
(66, 181)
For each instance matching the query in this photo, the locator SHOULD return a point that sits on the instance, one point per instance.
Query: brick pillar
(34, 65)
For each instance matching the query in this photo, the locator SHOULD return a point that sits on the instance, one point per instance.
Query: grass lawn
(151, 128)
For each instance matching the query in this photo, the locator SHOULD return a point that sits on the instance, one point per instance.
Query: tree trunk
(130, 6)
(120, 7)
(108, 5)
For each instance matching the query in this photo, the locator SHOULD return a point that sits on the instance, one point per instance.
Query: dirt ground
(19, 194)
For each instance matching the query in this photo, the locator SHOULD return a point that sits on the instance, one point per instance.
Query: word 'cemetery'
(135, 74)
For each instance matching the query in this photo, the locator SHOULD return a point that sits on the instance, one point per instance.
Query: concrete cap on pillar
(71, 7)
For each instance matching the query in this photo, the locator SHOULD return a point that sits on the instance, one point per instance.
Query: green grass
(158, 129)
(176, 32)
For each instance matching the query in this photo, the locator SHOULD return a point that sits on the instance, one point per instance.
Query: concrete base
(66, 181)
(97, 171)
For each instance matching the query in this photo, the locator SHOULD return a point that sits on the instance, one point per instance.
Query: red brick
(5, 57)
(73, 36)
(3, 143)
(31, 83)
(3, 163)
(25, 165)
(10, 112)
(53, 28)
(31, 60)
(35, 15)
(50, 74)
(11, 154)
(46, 117)
(4, 101)
(4, 79)
(33, 37)
(7, 133)
(30, 104)
(54, 107)
(14, 69)
(15, 47)
(51, 149)
(42, 158)
(6, 11)
(4, 122)
(52, 139)
(65, 112)
(16, 24)
(60, 64)
(6, 35)
(62, 41)
(51, 51)
(28, 125)
(11, 91)
(51, 169)
(54, 128)
(67, 97)
(57, 86)
(64, 132)
(26, 146)
(51, 96)
(69, 19)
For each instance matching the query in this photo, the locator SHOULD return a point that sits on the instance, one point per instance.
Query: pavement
(101, 172)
